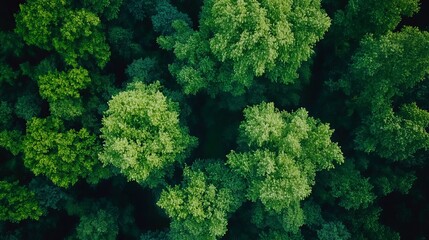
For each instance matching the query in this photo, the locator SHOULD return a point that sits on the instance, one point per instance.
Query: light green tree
(279, 156)
(142, 134)
(200, 207)
(238, 41)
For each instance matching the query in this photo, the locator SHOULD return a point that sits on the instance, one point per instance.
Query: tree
(28, 105)
(200, 207)
(17, 203)
(280, 155)
(142, 134)
(143, 70)
(11, 140)
(59, 85)
(140, 9)
(238, 41)
(165, 15)
(53, 25)
(61, 89)
(368, 16)
(101, 225)
(107, 8)
(62, 155)
(383, 70)
(5, 114)
(346, 184)
(333, 231)
(122, 42)
(48, 195)
(11, 47)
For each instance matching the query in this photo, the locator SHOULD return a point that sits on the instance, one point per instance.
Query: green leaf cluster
(17, 203)
(142, 135)
(61, 155)
(238, 41)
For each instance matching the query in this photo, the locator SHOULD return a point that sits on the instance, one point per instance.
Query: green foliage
(122, 43)
(382, 70)
(200, 207)
(140, 9)
(48, 195)
(159, 235)
(287, 222)
(87, 94)
(5, 114)
(101, 225)
(333, 231)
(11, 45)
(388, 178)
(108, 8)
(61, 89)
(62, 156)
(165, 15)
(143, 70)
(393, 136)
(28, 106)
(312, 214)
(74, 34)
(238, 41)
(367, 16)
(281, 153)
(350, 187)
(142, 134)
(12, 141)
(80, 37)
(364, 224)
(61, 85)
(7, 74)
(37, 18)
(17, 203)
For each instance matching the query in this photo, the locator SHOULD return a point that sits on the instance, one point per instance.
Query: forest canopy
(214, 119)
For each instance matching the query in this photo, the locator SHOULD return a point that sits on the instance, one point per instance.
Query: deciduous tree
(17, 203)
(142, 134)
(240, 40)
(62, 155)
(279, 156)
(200, 207)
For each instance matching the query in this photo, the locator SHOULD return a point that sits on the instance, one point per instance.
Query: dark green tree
(101, 225)
(17, 203)
(383, 70)
(165, 15)
(333, 231)
(106, 8)
(144, 70)
(361, 17)
(122, 42)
